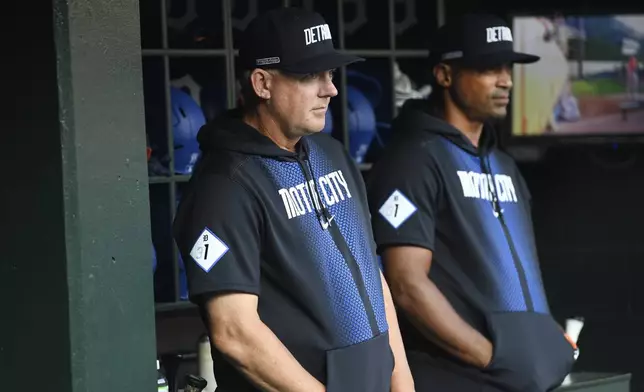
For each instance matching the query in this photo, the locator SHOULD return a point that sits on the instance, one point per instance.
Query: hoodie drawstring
(321, 210)
(486, 168)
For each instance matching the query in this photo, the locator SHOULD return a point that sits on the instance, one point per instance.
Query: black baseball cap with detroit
(477, 41)
(292, 40)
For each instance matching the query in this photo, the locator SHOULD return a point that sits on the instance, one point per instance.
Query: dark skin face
(480, 94)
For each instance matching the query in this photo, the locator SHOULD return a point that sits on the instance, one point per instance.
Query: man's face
(482, 94)
(300, 102)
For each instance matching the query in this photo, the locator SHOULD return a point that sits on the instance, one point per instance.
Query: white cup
(574, 327)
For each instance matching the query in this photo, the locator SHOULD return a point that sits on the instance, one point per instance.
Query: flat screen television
(589, 81)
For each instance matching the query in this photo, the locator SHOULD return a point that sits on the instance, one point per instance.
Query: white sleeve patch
(397, 209)
(208, 250)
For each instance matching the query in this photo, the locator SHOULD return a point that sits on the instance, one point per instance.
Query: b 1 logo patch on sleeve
(208, 250)
(397, 209)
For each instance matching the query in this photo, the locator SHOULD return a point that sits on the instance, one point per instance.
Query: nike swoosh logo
(325, 225)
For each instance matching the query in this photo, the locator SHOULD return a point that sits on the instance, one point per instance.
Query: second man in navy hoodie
(275, 231)
(451, 216)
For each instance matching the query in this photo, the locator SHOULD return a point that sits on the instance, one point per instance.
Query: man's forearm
(401, 380)
(264, 360)
(430, 311)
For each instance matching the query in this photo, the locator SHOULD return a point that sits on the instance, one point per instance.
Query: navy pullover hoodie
(470, 206)
(293, 229)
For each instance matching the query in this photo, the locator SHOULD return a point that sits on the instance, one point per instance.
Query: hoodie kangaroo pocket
(530, 354)
(363, 367)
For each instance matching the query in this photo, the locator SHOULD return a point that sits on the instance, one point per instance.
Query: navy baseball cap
(478, 41)
(292, 40)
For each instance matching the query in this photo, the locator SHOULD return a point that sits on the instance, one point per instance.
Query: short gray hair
(250, 100)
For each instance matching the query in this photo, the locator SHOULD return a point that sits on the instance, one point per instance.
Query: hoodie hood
(416, 115)
(230, 132)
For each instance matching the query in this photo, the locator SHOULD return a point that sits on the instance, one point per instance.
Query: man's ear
(261, 81)
(443, 75)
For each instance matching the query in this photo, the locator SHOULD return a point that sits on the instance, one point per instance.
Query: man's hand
(406, 269)
(401, 379)
(485, 353)
(239, 334)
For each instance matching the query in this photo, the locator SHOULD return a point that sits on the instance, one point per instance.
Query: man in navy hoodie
(274, 228)
(451, 217)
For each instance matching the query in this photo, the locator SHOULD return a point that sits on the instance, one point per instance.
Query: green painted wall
(75, 265)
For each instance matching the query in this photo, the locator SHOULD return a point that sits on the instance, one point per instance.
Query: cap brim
(522, 58)
(496, 59)
(324, 62)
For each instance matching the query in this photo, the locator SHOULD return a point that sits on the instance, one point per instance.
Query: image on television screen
(588, 81)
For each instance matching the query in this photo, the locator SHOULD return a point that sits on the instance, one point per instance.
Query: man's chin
(499, 114)
(314, 129)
